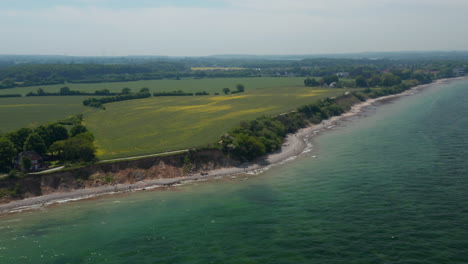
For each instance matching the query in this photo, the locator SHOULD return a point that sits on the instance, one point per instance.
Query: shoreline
(293, 146)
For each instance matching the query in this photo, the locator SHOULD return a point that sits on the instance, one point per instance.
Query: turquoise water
(391, 187)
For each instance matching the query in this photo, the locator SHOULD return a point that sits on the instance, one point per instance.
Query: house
(37, 162)
(459, 71)
(333, 85)
(342, 74)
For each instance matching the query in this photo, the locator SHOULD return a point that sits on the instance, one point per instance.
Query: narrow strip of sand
(293, 146)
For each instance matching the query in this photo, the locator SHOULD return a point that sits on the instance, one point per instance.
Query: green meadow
(159, 124)
(33, 111)
(30, 112)
(162, 124)
(214, 85)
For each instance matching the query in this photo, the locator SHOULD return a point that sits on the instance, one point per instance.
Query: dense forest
(37, 70)
(41, 74)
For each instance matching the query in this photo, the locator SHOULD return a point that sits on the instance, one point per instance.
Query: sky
(209, 27)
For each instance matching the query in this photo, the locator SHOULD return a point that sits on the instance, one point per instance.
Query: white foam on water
(288, 159)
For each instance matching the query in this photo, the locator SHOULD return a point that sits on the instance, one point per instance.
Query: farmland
(214, 85)
(159, 124)
(33, 111)
(30, 112)
(154, 125)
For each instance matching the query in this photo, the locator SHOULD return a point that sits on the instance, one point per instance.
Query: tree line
(253, 139)
(374, 79)
(129, 70)
(178, 93)
(45, 74)
(65, 91)
(9, 95)
(125, 95)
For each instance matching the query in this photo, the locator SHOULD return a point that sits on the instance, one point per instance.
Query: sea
(387, 186)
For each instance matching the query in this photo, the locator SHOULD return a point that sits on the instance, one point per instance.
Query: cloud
(241, 26)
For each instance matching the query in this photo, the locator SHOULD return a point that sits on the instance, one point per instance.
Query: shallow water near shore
(390, 187)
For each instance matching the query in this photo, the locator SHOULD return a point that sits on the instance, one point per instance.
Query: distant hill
(9, 60)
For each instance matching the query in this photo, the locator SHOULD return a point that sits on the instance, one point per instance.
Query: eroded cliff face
(115, 173)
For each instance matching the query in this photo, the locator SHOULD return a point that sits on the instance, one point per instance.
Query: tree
(126, 90)
(64, 90)
(57, 148)
(389, 79)
(78, 129)
(40, 91)
(330, 78)
(311, 82)
(7, 154)
(226, 90)
(79, 148)
(102, 92)
(36, 143)
(51, 133)
(144, 90)
(247, 147)
(56, 132)
(375, 80)
(361, 81)
(19, 136)
(44, 134)
(421, 76)
(8, 83)
(240, 88)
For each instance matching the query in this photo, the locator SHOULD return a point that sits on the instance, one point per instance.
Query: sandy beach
(293, 146)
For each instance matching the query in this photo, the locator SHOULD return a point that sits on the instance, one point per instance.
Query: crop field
(214, 85)
(21, 112)
(161, 124)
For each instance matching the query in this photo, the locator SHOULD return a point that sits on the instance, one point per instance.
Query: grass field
(187, 85)
(33, 111)
(161, 124)
(21, 112)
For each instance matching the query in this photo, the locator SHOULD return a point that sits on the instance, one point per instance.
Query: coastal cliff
(101, 178)
(121, 172)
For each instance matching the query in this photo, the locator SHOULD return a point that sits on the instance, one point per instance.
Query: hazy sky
(207, 27)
